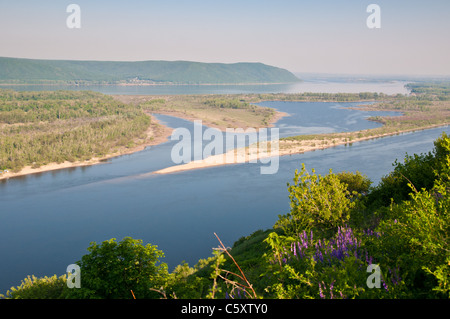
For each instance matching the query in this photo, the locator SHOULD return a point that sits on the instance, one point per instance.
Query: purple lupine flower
(319, 255)
(320, 291)
(331, 289)
(395, 278)
(385, 285)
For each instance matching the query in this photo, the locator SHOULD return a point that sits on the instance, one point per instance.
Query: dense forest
(38, 128)
(20, 71)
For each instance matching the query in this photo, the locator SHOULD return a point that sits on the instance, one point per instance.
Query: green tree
(418, 170)
(318, 202)
(113, 269)
(39, 288)
(416, 232)
(357, 183)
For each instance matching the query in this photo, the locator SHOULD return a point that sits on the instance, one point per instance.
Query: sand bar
(285, 147)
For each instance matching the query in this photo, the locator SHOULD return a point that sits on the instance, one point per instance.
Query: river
(47, 220)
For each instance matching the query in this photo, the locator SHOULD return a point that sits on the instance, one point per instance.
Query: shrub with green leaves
(39, 288)
(113, 269)
(416, 237)
(317, 202)
(420, 170)
(308, 267)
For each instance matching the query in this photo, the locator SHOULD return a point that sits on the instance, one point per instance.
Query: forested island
(339, 224)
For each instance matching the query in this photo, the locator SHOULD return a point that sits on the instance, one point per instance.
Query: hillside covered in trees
(19, 71)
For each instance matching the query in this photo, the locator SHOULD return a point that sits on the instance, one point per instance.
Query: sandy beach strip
(234, 156)
(285, 147)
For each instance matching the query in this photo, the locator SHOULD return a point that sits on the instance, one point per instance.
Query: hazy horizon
(322, 37)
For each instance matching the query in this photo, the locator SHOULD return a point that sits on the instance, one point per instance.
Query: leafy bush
(113, 269)
(308, 267)
(418, 170)
(317, 202)
(39, 288)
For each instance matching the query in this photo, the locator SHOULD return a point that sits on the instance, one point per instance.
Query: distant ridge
(29, 71)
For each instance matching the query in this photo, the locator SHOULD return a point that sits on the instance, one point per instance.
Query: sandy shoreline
(296, 147)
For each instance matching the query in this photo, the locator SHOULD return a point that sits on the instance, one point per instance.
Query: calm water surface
(48, 220)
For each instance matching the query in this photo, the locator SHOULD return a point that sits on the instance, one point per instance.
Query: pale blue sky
(325, 36)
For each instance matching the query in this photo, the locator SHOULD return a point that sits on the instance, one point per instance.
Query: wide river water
(48, 220)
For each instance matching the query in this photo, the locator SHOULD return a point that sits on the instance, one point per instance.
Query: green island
(339, 224)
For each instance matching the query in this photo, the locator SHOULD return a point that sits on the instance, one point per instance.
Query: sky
(313, 36)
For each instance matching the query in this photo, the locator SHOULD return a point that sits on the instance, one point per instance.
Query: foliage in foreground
(337, 237)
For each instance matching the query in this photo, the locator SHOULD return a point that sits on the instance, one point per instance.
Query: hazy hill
(184, 72)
